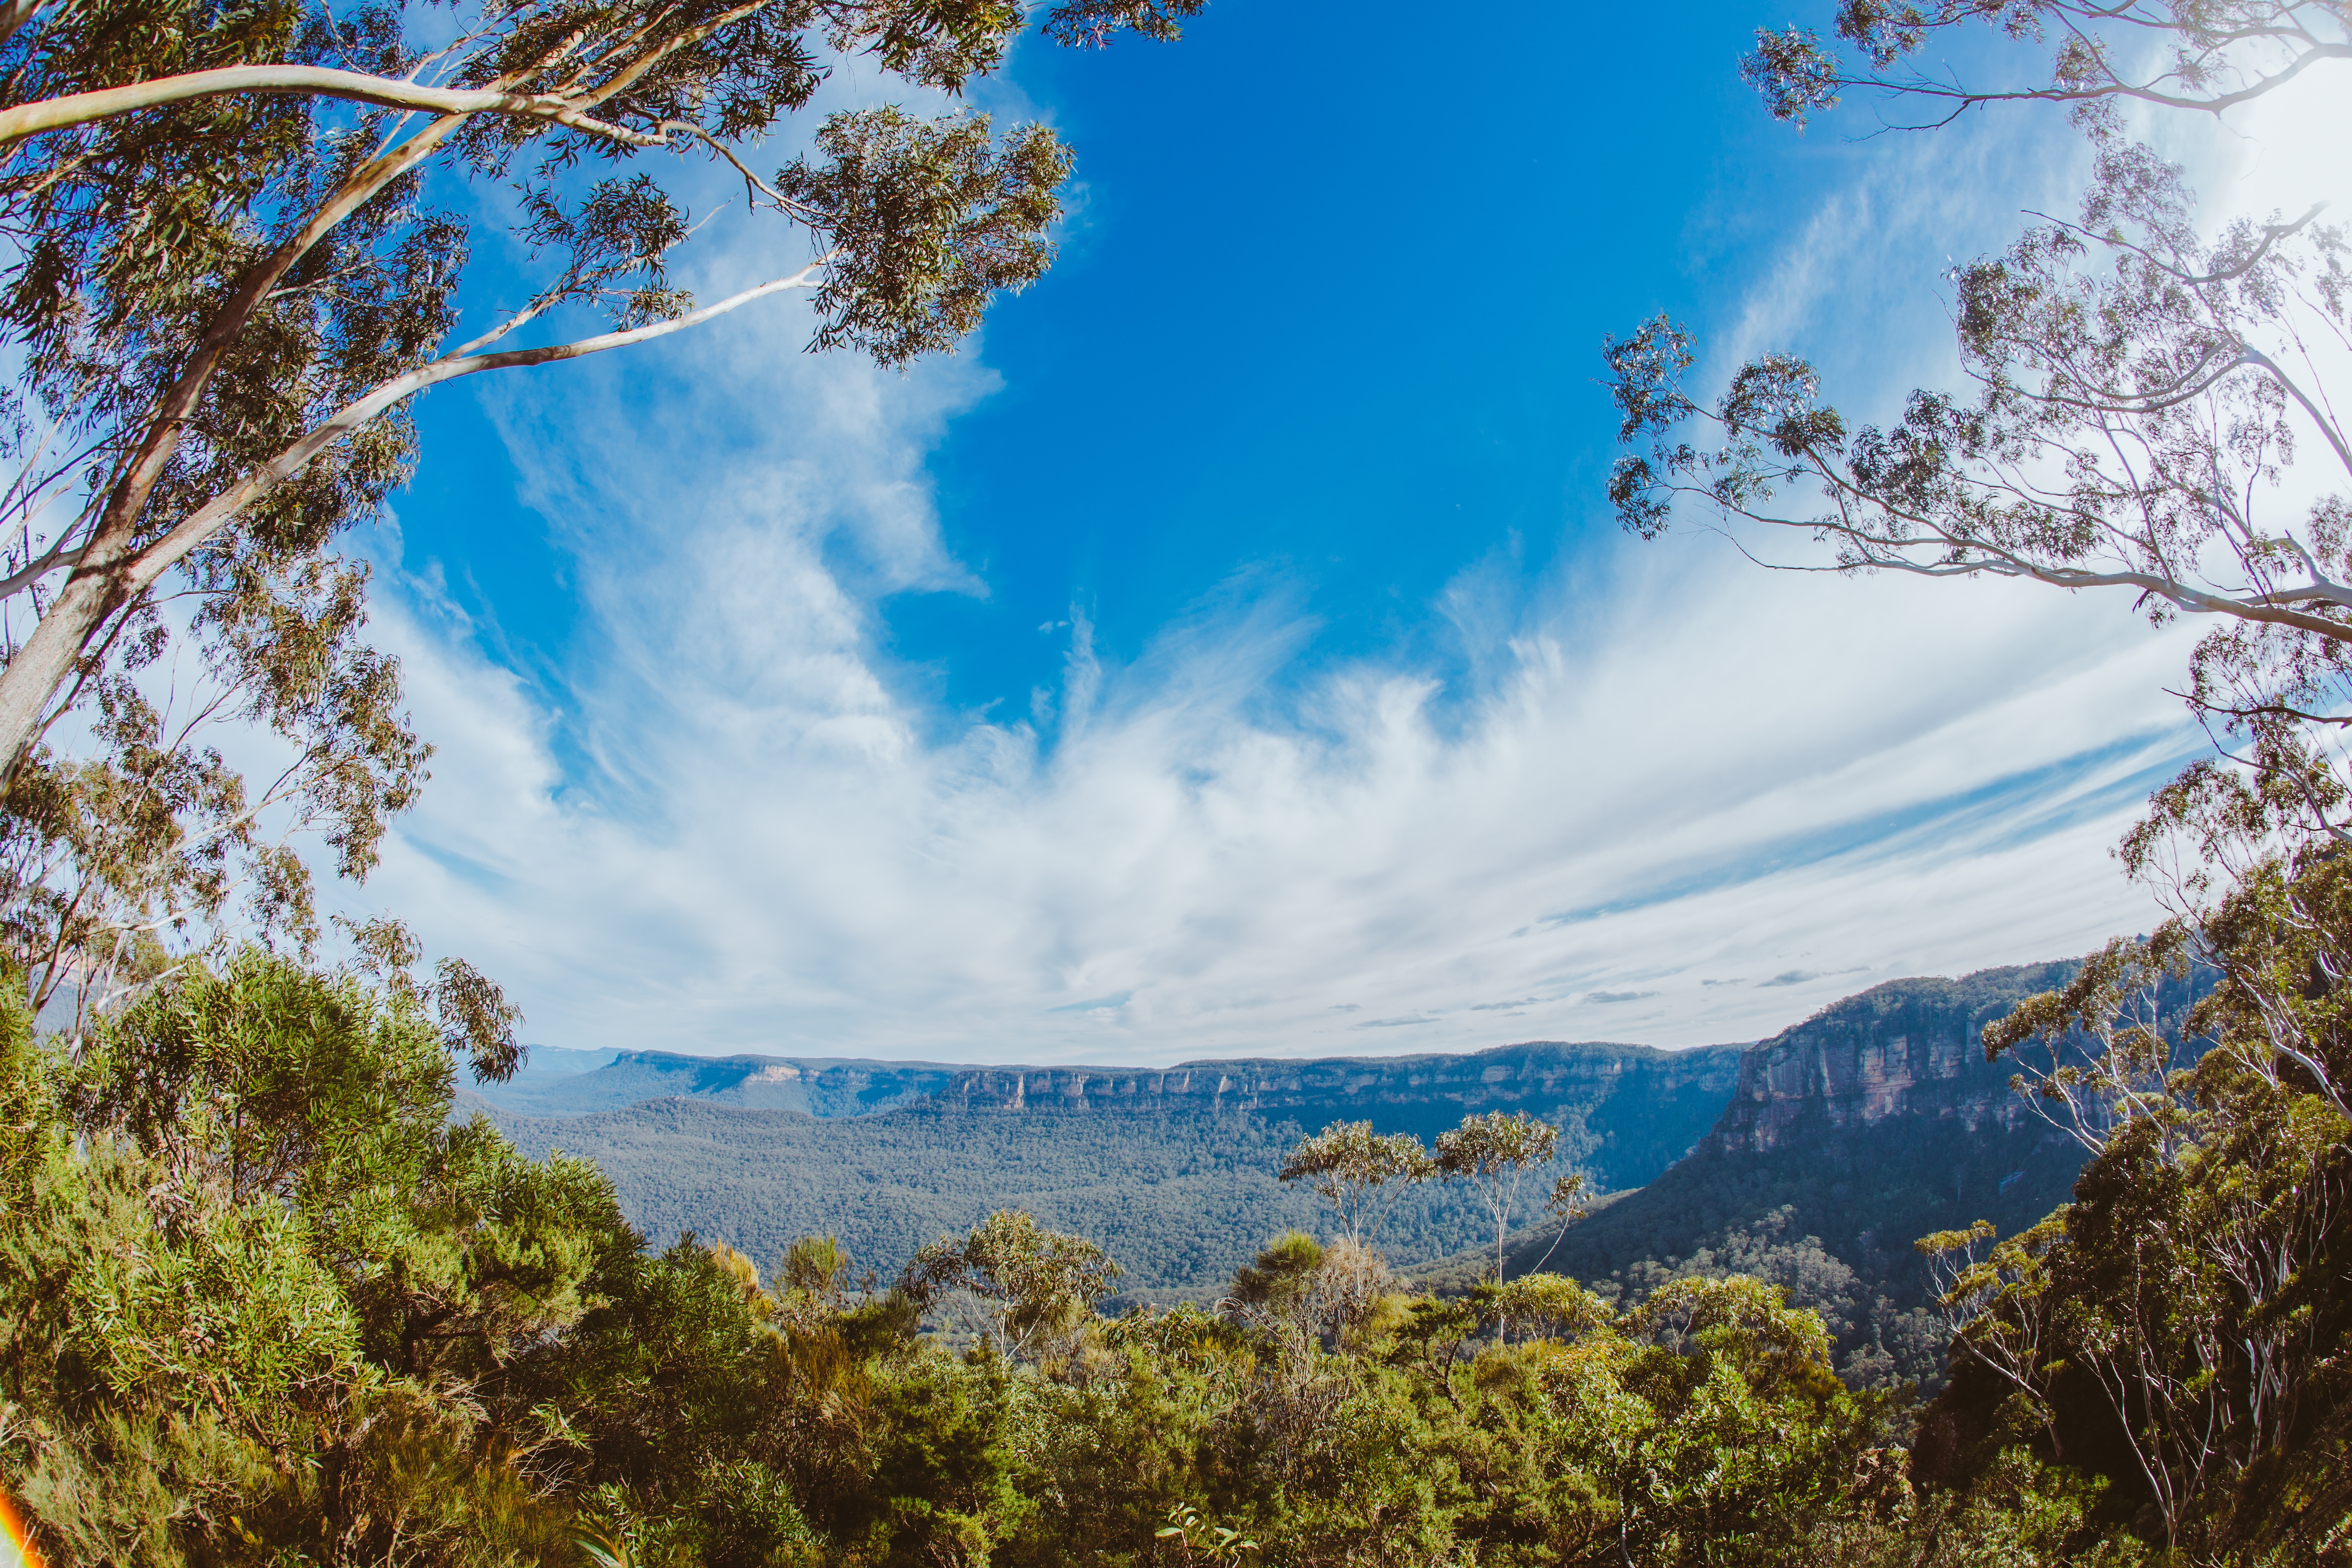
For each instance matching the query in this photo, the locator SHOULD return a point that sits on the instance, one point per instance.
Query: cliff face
(814, 1087)
(1540, 1073)
(1875, 1122)
(1909, 1048)
(1625, 1111)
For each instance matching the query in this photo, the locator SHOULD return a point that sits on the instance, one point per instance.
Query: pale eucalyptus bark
(920, 224)
(108, 572)
(319, 82)
(109, 568)
(102, 584)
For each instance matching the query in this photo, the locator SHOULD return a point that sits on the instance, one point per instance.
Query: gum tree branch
(213, 515)
(384, 92)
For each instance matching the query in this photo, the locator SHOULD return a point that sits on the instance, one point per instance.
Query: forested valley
(288, 1307)
(299, 1263)
(1175, 1172)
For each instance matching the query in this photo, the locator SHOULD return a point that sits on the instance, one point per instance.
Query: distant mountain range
(1633, 1110)
(1172, 1169)
(1815, 1157)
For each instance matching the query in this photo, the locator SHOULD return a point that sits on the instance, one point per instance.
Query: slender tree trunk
(110, 578)
(48, 658)
(103, 582)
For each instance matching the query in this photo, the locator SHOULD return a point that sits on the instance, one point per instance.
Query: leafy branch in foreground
(2191, 1292)
(2142, 389)
(2141, 396)
(2210, 58)
(236, 243)
(1039, 1284)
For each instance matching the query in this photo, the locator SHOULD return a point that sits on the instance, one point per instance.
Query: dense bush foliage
(269, 1303)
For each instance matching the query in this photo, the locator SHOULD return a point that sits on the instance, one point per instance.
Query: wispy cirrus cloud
(1675, 799)
(771, 851)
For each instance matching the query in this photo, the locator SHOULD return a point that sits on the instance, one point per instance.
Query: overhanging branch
(200, 524)
(384, 92)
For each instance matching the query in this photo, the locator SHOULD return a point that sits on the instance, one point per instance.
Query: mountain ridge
(1902, 1048)
(1874, 1121)
(1812, 1157)
(1419, 1092)
(1174, 1169)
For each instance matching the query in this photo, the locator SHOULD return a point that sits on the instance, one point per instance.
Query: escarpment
(1909, 1048)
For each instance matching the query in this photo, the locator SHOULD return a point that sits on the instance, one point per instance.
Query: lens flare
(15, 1540)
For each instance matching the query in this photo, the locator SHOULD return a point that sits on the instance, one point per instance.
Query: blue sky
(1276, 272)
(1229, 651)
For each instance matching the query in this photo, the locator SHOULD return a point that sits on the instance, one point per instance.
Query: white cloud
(1690, 801)
(1695, 772)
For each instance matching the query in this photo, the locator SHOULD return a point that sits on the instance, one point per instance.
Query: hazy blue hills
(1645, 1106)
(580, 1083)
(1814, 1158)
(1172, 1169)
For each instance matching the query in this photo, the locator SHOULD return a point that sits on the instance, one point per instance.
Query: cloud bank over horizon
(1690, 815)
(1643, 793)
(1674, 799)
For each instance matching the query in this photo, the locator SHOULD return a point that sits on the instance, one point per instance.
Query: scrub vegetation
(269, 1302)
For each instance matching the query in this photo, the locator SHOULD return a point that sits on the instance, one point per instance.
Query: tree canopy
(2143, 380)
(239, 237)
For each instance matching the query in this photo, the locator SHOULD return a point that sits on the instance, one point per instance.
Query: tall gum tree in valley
(1493, 1153)
(1359, 1173)
(234, 249)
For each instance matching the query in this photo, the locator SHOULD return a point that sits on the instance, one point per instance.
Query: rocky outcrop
(1907, 1048)
(1542, 1073)
(1626, 1111)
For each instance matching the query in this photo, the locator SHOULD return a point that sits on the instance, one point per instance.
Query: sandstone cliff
(1626, 1111)
(1542, 1073)
(1909, 1048)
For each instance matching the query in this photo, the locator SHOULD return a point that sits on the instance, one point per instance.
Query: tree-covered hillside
(1173, 1170)
(1873, 1122)
(1178, 1200)
(1831, 1220)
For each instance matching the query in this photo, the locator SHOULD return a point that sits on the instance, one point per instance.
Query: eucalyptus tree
(1568, 1201)
(1493, 1153)
(119, 864)
(2151, 412)
(1039, 1283)
(2140, 394)
(2140, 387)
(2210, 57)
(236, 237)
(1357, 1172)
